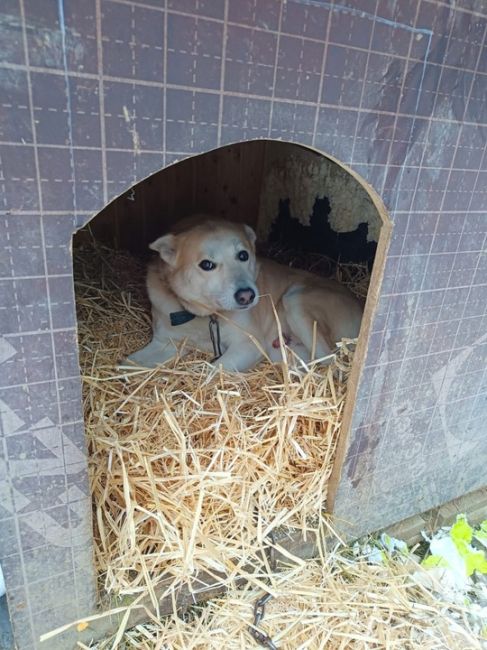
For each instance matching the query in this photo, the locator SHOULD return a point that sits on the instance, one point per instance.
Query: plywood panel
(225, 182)
(359, 83)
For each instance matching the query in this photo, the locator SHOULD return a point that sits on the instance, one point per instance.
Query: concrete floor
(6, 639)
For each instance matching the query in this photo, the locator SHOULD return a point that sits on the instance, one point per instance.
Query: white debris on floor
(377, 594)
(457, 569)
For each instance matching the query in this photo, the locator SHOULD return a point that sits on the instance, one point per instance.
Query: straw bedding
(191, 467)
(337, 603)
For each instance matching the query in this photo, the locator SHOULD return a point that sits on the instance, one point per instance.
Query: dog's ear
(166, 247)
(250, 232)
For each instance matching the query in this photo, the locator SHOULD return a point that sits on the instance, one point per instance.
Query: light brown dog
(208, 283)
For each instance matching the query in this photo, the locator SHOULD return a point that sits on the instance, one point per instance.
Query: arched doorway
(152, 435)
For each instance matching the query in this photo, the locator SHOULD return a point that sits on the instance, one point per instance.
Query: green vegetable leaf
(433, 561)
(475, 561)
(461, 532)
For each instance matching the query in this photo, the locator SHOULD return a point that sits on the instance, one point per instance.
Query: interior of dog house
(351, 138)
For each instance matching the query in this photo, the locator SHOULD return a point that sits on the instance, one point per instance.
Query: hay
(340, 603)
(192, 468)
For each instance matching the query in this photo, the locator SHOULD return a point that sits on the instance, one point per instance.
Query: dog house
(100, 95)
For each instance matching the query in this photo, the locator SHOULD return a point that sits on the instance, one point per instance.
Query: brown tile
(264, 13)
(404, 12)
(12, 50)
(19, 189)
(85, 112)
(21, 246)
(420, 88)
(194, 55)
(453, 90)
(391, 40)
(382, 83)
(134, 116)
(15, 118)
(192, 119)
(349, 27)
(250, 61)
(463, 50)
(66, 350)
(50, 101)
(479, 194)
(24, 306)
(477, 301)
(88, 185)
(344, 76)
(459, 190)
(62, 301)
(57, 182)
(293, 122)
(373, 138)
(12, 567)
(58, 230)
(81, 48)
(435, 18)
(245, 118)
(430, 191)
(121, 172)
(132, 42)
(305, 20)
(210, 8)
(45, 35)
(469, 152)
(299, 64)
(70, 400)
(335, 132)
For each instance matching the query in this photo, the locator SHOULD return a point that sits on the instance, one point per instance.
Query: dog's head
(211, 266)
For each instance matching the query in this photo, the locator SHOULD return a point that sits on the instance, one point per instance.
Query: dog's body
(209, 268)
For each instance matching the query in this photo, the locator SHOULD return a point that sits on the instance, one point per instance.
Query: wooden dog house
(100, 95)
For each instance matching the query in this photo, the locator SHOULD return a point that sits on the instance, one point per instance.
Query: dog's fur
(176, 282)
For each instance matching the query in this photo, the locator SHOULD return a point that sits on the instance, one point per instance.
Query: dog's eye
(243, 256)
(207, 265)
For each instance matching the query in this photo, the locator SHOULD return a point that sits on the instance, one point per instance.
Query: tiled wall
(96, 95)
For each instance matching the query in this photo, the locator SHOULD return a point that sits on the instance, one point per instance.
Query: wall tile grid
(97, 95)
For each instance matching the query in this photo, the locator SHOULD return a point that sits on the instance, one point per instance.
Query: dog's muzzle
(244, 297)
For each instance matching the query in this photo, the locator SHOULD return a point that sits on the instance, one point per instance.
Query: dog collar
(214, 326)
(184, 316)
(181, 317)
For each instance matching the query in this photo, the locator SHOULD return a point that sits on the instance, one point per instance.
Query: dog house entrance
(197, 474)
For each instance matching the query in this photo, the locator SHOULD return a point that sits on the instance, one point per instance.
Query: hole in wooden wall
(307, 208)
(294, 197)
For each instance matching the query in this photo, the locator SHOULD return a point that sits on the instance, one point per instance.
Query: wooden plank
(227, 189)
(474, 505)
(204, 180)
(251, 178)
(204, 587)
(225, 182)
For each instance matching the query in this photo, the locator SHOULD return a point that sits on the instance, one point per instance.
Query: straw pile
(192, 468)
(337, 603)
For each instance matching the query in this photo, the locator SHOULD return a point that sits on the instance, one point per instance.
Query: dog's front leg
(153, 354)
(239, 357)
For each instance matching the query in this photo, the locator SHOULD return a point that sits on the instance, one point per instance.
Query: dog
(207, 287)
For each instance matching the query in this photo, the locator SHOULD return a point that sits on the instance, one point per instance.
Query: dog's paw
(133, 360)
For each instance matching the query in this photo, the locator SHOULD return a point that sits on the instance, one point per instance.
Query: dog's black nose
(245, 296)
